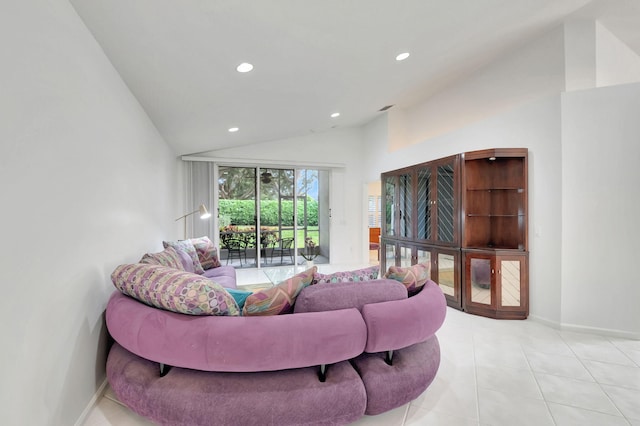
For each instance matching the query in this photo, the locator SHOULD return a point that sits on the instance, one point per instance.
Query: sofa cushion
(187, 247)
(226, 282)
(174, 290)
(187, 262)
(365, 274)
(207, 252)
(224, 270)
(279, 299)
(330, 297)
(169, 257)
(224, 275)
(412, 277)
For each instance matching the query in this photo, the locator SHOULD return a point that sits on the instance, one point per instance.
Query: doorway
(374, 219)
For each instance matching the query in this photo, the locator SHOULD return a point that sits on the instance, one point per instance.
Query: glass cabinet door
(424, 203)
(389, 258)
(511, 274)
(405, 197)
(445, 184)
(390, 205)
(406, 256)
(446, 273)
(481, 271)
(424, 256)
(398, 254)
(436, 219)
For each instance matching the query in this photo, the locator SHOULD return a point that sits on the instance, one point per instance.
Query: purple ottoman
(390, 386)
(191, 397)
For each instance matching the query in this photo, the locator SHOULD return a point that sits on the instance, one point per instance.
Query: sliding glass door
(270, 216)
(237, 215)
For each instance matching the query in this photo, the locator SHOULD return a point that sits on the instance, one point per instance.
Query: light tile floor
(500, 372)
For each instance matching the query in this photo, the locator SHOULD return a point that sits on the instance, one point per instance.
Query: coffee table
(277, 274)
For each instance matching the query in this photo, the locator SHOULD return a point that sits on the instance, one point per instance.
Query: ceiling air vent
(384, 108)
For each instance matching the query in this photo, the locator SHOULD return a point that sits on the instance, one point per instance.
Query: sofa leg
(388, 357)
(164, 369)
(322, 375)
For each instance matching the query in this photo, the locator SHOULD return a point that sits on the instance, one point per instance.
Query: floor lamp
(204, 214)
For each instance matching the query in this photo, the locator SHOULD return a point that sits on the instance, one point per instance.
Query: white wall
(87, 183)
(600, 209)
(340, 146)
(580, 54)
(616, 63)
(595, 57)
(532, 71)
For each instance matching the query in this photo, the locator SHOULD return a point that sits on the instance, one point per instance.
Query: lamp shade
(204, 214)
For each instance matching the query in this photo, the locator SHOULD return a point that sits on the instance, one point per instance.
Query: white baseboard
(94, 399)
(606, 332)
(548, 323)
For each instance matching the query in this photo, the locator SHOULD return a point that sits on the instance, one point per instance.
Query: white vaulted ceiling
(311, 57)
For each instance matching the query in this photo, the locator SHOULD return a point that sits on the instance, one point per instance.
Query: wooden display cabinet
(495, 238)
(465, 215)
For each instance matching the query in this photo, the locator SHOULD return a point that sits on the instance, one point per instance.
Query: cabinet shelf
(494, 215)
(496, 247)
(519, 190)
(495, 233)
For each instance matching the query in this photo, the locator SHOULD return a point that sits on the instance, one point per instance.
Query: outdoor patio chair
(284, 249)
(236, 247)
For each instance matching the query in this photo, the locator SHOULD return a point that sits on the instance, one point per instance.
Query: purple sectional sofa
(348, 349)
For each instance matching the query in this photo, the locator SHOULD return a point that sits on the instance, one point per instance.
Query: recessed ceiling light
(402, 56)
(244, 67)
(335, 114)
(233, 129)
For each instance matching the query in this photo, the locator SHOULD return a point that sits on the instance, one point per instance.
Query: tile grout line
(475, 371)
(581, 361)
(406, 413)
(546, 403)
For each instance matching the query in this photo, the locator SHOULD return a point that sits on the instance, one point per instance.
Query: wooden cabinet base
(497, 314)
(495, 283)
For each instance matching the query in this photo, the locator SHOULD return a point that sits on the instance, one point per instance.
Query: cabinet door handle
(493, 271)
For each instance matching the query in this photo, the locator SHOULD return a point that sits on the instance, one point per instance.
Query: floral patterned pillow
(279, 299)
(187, 247)
(173, 290)
(365, 274)
(207, 252)
(169, 257)
(413, 277)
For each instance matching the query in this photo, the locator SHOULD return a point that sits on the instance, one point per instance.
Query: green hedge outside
(242, 212)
